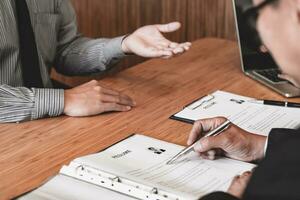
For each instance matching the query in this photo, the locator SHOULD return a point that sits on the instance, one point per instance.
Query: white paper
(67, 188)
(255, 118)
(143, 160)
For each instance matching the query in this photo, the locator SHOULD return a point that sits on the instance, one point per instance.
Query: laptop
(256, 63)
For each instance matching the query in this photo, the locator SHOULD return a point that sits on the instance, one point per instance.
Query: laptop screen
(253, 57)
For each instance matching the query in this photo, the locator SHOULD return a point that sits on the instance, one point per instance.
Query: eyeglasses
(252, 13)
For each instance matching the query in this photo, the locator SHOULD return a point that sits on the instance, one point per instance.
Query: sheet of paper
(67, 188)
(252, 117)
(143, 159)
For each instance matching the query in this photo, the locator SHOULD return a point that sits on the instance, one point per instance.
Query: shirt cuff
(48, 103)
(113, 50)
(266, 146)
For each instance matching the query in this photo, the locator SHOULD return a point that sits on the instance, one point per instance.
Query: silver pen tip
(170, 162)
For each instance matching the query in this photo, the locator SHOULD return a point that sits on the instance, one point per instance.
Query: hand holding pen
(222, 127)
(233, 142)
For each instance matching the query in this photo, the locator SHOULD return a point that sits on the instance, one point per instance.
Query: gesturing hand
(149, 42)
(92, 99)
(234, 142)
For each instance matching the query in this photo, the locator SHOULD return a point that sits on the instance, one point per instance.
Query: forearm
(87, 56)
(23, 104)
(77, 55)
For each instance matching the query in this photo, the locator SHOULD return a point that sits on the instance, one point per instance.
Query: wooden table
(32, 152)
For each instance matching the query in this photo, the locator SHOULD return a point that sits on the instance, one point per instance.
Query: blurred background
(111, 18)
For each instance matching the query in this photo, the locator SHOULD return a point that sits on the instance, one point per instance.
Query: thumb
(208, 143)
(167, 28)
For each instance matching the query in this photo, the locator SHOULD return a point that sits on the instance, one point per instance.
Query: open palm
(149, 42)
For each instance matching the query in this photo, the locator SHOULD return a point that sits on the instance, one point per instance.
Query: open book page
(143, 160)
(255, 118)
(66, 188)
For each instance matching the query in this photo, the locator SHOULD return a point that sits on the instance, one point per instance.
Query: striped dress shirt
(59, 44)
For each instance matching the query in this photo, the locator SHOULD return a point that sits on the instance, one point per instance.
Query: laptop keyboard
(271, 75)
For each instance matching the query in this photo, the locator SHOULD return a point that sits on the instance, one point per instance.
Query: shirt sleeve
(266, 146)
(78, 55)
(22, 104)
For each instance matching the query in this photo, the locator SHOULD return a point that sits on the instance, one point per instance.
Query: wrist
(66, 102)
(124, 45)
(258, 147)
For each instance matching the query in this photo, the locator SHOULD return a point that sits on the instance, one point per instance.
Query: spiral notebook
(135, 168)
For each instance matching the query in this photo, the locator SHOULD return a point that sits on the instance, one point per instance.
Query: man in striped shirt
(59, 44)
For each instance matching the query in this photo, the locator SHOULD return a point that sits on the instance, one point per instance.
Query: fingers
(211, 154)
(176, 48)
(169, 49)
(195, 133)
(247, 174)
(239, 184)
(122, 100)
(236, 178)
(243, 178)
(187, 46)
(202, 126)
(167, 28)
(180, 48)
(108, 107)
(111, 96)
(207, 144)
(116, 97)
(149, 42)
(111, 100)
(164, 53)
(107, 91)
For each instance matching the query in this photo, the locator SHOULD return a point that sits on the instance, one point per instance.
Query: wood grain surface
(200, 18)
(32, 152)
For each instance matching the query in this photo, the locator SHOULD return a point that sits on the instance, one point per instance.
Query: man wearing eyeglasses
(278, 174)
(36, 35)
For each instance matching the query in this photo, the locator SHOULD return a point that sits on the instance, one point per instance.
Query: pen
(189, 149)
(276, 103)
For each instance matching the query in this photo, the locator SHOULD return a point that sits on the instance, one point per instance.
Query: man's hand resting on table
(92, 99)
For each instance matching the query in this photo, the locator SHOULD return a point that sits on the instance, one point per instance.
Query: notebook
(135, 168)
(252, 117)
